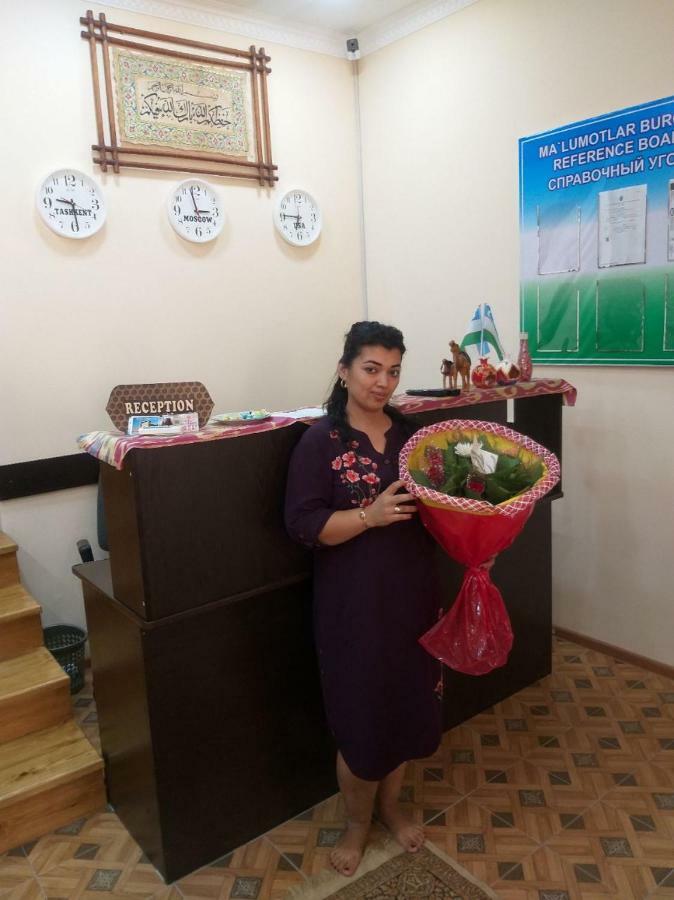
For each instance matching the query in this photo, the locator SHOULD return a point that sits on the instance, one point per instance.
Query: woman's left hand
(391, 507)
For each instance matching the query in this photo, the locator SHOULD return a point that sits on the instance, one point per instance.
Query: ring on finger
(396, 510)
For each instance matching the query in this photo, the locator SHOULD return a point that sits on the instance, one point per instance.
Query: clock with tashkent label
(71, 204)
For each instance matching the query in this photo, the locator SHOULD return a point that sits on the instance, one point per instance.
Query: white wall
(47, 528)
(442, 111)
(258, 322)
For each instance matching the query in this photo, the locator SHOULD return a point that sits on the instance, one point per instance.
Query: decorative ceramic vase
(484, 374)
(507, 372)
(524, 358)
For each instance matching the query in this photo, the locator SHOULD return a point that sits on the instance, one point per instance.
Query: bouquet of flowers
(477, 484)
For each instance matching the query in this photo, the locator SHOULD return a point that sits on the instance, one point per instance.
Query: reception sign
(597, 239)
(166, 399)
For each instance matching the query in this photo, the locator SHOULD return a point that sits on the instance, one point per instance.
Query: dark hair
(362, 334)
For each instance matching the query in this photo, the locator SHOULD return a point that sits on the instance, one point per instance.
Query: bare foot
(348, 853)
(410, 836)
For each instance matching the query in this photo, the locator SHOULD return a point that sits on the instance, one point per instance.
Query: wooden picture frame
(177, 110)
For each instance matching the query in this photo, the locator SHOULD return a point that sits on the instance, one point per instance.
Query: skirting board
(39, 476)
(652, 665)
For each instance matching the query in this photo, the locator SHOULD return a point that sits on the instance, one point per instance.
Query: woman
(374, 592)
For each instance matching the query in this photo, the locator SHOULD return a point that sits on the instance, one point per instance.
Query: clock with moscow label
(71, 204)
(195, 211)
(298, 218)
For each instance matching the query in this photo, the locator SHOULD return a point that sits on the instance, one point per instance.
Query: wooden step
(20, 622)
(47, 779)
(7, 545)
(9, 570)
(34, 694)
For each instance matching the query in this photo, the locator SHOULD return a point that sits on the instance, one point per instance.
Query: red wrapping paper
(475, 636)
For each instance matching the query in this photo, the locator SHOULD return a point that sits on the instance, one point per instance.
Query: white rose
(483, 461)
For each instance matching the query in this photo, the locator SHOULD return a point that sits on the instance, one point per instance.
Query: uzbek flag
(482, 332)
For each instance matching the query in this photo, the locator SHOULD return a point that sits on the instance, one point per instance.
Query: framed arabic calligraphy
(201, 108)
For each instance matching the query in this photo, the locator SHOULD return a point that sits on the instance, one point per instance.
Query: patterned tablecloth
(112, 446)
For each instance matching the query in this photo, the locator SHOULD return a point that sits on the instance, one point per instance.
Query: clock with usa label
(298, 218)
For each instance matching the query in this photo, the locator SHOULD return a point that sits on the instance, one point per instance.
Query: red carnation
(336, 463)
(352, 476)
(476, 485)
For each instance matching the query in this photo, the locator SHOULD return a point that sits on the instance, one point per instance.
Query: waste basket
(66, 644)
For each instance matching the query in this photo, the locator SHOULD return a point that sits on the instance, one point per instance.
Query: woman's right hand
(390, 507)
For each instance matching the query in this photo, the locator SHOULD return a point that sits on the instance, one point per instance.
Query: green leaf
(507, 463)
(494, 492)
(453, 484)
(535, 471)
(449, 458)
(421, 478)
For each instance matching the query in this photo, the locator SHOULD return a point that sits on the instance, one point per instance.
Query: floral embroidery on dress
(358, 473)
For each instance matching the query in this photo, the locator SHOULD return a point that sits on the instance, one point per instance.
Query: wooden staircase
(49, 772)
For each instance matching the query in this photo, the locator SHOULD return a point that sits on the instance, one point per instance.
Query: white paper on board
(622, 226)
(670, 219)
(558, 239)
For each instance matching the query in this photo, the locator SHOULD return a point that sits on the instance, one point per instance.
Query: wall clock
(71, 203)
(298, 218)
(195, 211)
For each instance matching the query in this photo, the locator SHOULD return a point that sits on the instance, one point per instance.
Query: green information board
(597, 232)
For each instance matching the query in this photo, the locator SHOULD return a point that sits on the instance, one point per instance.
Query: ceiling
(318, 25)
(345, 16)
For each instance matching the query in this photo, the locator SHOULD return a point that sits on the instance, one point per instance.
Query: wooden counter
(205, 676)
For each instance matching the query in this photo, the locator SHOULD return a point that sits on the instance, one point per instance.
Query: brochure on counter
(155, 426)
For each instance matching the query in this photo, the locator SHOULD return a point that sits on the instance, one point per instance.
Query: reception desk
(205, 678)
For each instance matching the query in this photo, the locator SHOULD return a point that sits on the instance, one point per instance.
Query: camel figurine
(446, 370)
(460, 365)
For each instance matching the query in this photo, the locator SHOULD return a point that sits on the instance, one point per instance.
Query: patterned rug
(388, 873)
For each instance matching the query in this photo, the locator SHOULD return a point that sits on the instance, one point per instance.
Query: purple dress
(374, 596)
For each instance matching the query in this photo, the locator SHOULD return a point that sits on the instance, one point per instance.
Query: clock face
(298, 218)
(195, 211)
(71, 203)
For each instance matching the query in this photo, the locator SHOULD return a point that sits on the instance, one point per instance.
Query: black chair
(83, 545)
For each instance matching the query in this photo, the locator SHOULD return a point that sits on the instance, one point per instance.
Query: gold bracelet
(363, 519)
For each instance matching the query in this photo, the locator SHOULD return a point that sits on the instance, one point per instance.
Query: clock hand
(72, 204)
(193, 200)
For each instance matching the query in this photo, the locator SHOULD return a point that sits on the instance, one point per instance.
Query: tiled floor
(565, 791)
